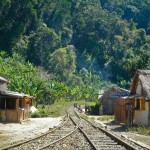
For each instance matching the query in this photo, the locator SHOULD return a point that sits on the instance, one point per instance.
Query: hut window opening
(137, 104)
(2, 103)
(10, 103)
(6, 103)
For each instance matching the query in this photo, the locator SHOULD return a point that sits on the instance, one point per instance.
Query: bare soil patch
(11, 133)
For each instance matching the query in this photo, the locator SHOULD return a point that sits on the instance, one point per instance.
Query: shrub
(39, 114)
(43, 113)
(35, 115)
(140, 129)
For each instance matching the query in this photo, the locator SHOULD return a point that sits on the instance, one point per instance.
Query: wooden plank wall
(120, 110)
(11, 115)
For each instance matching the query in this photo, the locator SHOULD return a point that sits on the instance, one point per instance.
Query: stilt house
(14, 106)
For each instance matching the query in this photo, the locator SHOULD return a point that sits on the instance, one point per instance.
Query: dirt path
(12, 132)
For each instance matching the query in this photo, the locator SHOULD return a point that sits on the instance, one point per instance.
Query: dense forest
(71, 48)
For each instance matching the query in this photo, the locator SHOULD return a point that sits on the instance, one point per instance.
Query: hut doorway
(129, 113)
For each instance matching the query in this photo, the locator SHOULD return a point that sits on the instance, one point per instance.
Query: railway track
(76, 133)
(102, 139)
(75, 141)
(54, 138)
(44, 139)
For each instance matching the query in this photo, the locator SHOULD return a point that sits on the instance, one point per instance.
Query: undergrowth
(105, 118)
(55, 110)
(139, 129)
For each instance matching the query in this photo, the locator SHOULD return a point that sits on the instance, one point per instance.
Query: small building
(14, 106)
(123, 109)
(140, 87)
(135, 108)
(108, 98)
(100, 94)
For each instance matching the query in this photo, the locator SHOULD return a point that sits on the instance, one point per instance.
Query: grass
(139, 129)
(56, 109)
(85, 117)
(105, 118)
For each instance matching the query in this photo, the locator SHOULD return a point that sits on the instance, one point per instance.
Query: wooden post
(17, 109)
(149, 115)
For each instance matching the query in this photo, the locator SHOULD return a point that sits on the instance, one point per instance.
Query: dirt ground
(11, 133)
(121, 131)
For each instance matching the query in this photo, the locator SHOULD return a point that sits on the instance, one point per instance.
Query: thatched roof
(115, 91)
(144, 77)
(4, 80)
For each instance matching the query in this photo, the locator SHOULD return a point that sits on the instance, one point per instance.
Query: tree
(63, 62)
(16, 18)
(42, 43)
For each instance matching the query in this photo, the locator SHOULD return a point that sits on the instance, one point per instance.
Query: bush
(43, 113)
(39, 114)
(35, 115)
(140, 129)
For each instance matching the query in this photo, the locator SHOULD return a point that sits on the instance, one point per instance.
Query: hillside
(80, 44)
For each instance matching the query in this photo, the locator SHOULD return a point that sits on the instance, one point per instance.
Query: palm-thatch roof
(144, 77)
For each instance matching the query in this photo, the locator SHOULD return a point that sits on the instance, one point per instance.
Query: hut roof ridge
(4, 80)
(12, 93)
(144, 72)
(144, 77)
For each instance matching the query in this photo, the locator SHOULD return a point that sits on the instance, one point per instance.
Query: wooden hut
(108, 98)
(123, 109)
(135, 108)
(140, 88)
(14, 106)
(100, 94)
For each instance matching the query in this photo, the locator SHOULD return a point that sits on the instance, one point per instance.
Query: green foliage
(58, 108)
(80, 43)
(24, 78)
(136, 10)
(39, 114)
(105, 118)
(140, 129)
(62, 62)
(41, 44)
(35, 115)
(16, 18)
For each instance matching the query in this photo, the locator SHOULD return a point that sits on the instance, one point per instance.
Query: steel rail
(59, 139)
(26, 141)
(115, 138)
(92, 144)
(77, 128)
(54, 142)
